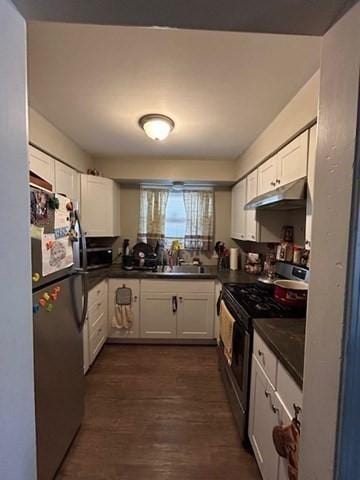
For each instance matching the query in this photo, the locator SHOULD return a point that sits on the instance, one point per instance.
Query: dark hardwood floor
(157, 413)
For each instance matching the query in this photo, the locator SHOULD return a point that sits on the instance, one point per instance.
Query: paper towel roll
(234, 258)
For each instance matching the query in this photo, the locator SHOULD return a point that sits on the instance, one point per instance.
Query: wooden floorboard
(157, 413)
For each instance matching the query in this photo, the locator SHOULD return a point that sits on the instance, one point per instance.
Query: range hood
(286, 197)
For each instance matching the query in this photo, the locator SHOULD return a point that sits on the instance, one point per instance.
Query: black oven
(236, 376)
(240, 364)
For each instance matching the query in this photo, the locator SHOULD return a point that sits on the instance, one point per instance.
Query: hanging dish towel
(286, 440)
(226, 331)
(123, 317)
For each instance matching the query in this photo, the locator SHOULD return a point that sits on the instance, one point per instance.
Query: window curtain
(199, 206)
(152, 215)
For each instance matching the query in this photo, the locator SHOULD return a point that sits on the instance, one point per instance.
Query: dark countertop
(225, 276)
(97, 276)
(286, 338)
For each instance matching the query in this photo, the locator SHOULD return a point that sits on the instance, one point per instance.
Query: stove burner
(257, 301)
(255, 298)
(263, 307)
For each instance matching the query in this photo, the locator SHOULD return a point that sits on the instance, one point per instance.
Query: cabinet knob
(278, 180)
(273, 184)
(274, 409)
(260, 353)
(267, 394)
(181, 299)
(135, 298)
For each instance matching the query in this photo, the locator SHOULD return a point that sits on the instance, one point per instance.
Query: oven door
(240, 364)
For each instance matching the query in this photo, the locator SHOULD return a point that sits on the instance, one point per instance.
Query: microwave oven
(99, 257)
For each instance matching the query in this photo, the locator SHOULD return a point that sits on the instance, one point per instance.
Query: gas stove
(254, 301)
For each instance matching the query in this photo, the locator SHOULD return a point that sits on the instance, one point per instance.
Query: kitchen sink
(187, 269)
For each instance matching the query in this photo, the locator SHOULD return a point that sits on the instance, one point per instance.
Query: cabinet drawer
(288, 390)
(96, 293)
(97, 339)
(178, 286)
(266, 358)
(96, 312)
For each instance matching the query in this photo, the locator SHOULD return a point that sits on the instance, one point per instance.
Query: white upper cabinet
(250, 215)
(42, 165)
(267, 173)
(288, 165)
(238, 214)
(100, 204)
(292, 160)
(66, 181)
(310, 184)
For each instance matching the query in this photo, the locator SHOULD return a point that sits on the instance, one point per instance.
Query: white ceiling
(222, 89)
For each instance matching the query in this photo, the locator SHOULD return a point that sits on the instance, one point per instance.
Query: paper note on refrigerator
(62, 217)
(57, 253)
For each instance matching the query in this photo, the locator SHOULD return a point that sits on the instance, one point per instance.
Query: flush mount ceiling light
(156, 126)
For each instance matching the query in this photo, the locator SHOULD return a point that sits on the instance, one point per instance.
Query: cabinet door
(263, 416)
(250, 215)
(158, 320)
(97, 206)
(286, 419)
(267, 175)
(134, 285)
(292, 160)
(65, 180)
(310, 184)
(195, 316)
(42, 165)
(238, 214)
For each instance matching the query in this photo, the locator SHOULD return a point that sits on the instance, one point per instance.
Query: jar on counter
(298, 251)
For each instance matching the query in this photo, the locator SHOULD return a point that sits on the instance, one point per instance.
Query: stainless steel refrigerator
(59, 310)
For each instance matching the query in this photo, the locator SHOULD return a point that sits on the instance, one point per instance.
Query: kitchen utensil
(291, 292)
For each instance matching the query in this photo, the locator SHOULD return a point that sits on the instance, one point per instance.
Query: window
(175, 218)
(167, 215)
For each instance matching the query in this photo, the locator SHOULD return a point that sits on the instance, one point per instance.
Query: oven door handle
(218, 303)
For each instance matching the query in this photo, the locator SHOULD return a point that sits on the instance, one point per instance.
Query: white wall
(298, 113)
(45, 135)
(339, 83)
(17, 410)
(138, 169)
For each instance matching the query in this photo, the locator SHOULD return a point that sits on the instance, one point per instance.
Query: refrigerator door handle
(83, 272)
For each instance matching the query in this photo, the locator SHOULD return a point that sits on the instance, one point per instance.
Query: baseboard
(162, 341)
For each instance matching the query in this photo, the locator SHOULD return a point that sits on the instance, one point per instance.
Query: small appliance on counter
(253, 263)
(142, 258)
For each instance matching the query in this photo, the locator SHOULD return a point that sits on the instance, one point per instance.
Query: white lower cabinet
(95, 328)
(272, 396)
(195, 315)
(134, 330)
(158, 315)
(177, 309)
(86, 353)
(263, 417)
